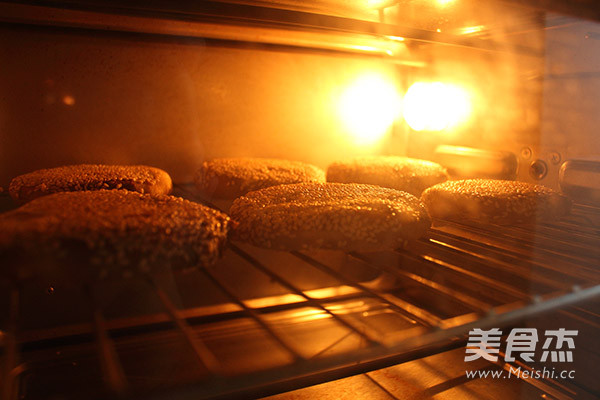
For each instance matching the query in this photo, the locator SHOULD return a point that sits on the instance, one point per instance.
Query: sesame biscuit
(71, 178)
(229, 178)
(91, 234)
(350, 217)
(401, 173)
(495, 201)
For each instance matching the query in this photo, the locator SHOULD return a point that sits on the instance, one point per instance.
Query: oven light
(369, 107)
(444, 2)
(471, 29)
(435, 106)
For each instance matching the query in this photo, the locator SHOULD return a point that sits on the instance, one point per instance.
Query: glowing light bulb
(434, 106)
(369, 107)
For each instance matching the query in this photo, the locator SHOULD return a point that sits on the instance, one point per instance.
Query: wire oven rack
(263, 321)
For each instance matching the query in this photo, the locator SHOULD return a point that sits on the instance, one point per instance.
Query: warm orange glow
(371, 49)
(365, 48)
(434, 106)
(369, 107)
(471, 29)
(397, 38)
(68, 100)
(378, 3)
(444, 2)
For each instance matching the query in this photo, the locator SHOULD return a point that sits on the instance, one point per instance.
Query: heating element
(263, 321)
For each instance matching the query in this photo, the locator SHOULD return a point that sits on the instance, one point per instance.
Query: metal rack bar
(457, 294)
(555, 389)
(578, 225)
(507, 259)
(203, 354)
(324, 369)
(410, 310)
(503, 315)
(583, 219)
(462, 297)
(441, 266)
(502, 240)
(575, 229)
(543, 237)
(253, 314)
(111, 366)
(501, 266)
(459, 270)
(381, 387)
(310, 301)
(451, 275)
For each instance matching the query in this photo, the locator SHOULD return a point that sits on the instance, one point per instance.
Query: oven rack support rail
(243, 23)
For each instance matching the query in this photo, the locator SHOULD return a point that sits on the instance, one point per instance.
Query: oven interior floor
(440, 376)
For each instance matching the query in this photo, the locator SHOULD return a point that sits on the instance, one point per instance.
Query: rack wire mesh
(261, 320)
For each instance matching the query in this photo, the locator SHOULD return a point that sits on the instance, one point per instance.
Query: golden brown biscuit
(81, 235)
(136, 178)
(351, 217)
(495, 201)
(407, 174)
(230, 178)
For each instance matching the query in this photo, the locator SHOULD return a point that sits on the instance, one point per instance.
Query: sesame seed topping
(329, 215)
(494, 201)
(407, 174)
(234, 177)
(112, 230)
(137, 178)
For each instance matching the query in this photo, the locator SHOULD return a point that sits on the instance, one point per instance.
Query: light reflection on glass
(435, 106)
(369, 107)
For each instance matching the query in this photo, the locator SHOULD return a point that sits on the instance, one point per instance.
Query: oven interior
(171, 84)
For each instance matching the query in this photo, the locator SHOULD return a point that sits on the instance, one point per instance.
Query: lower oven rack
(307, 317)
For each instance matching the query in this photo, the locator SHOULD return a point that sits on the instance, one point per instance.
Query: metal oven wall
(73, 96)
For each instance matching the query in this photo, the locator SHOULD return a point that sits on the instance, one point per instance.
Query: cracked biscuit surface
(402, 173)
(495, 201)
(83, 235)
(71, 178)
(229, 178)
(350, 217)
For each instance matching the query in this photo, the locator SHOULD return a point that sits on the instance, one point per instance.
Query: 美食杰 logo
(521, 344)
